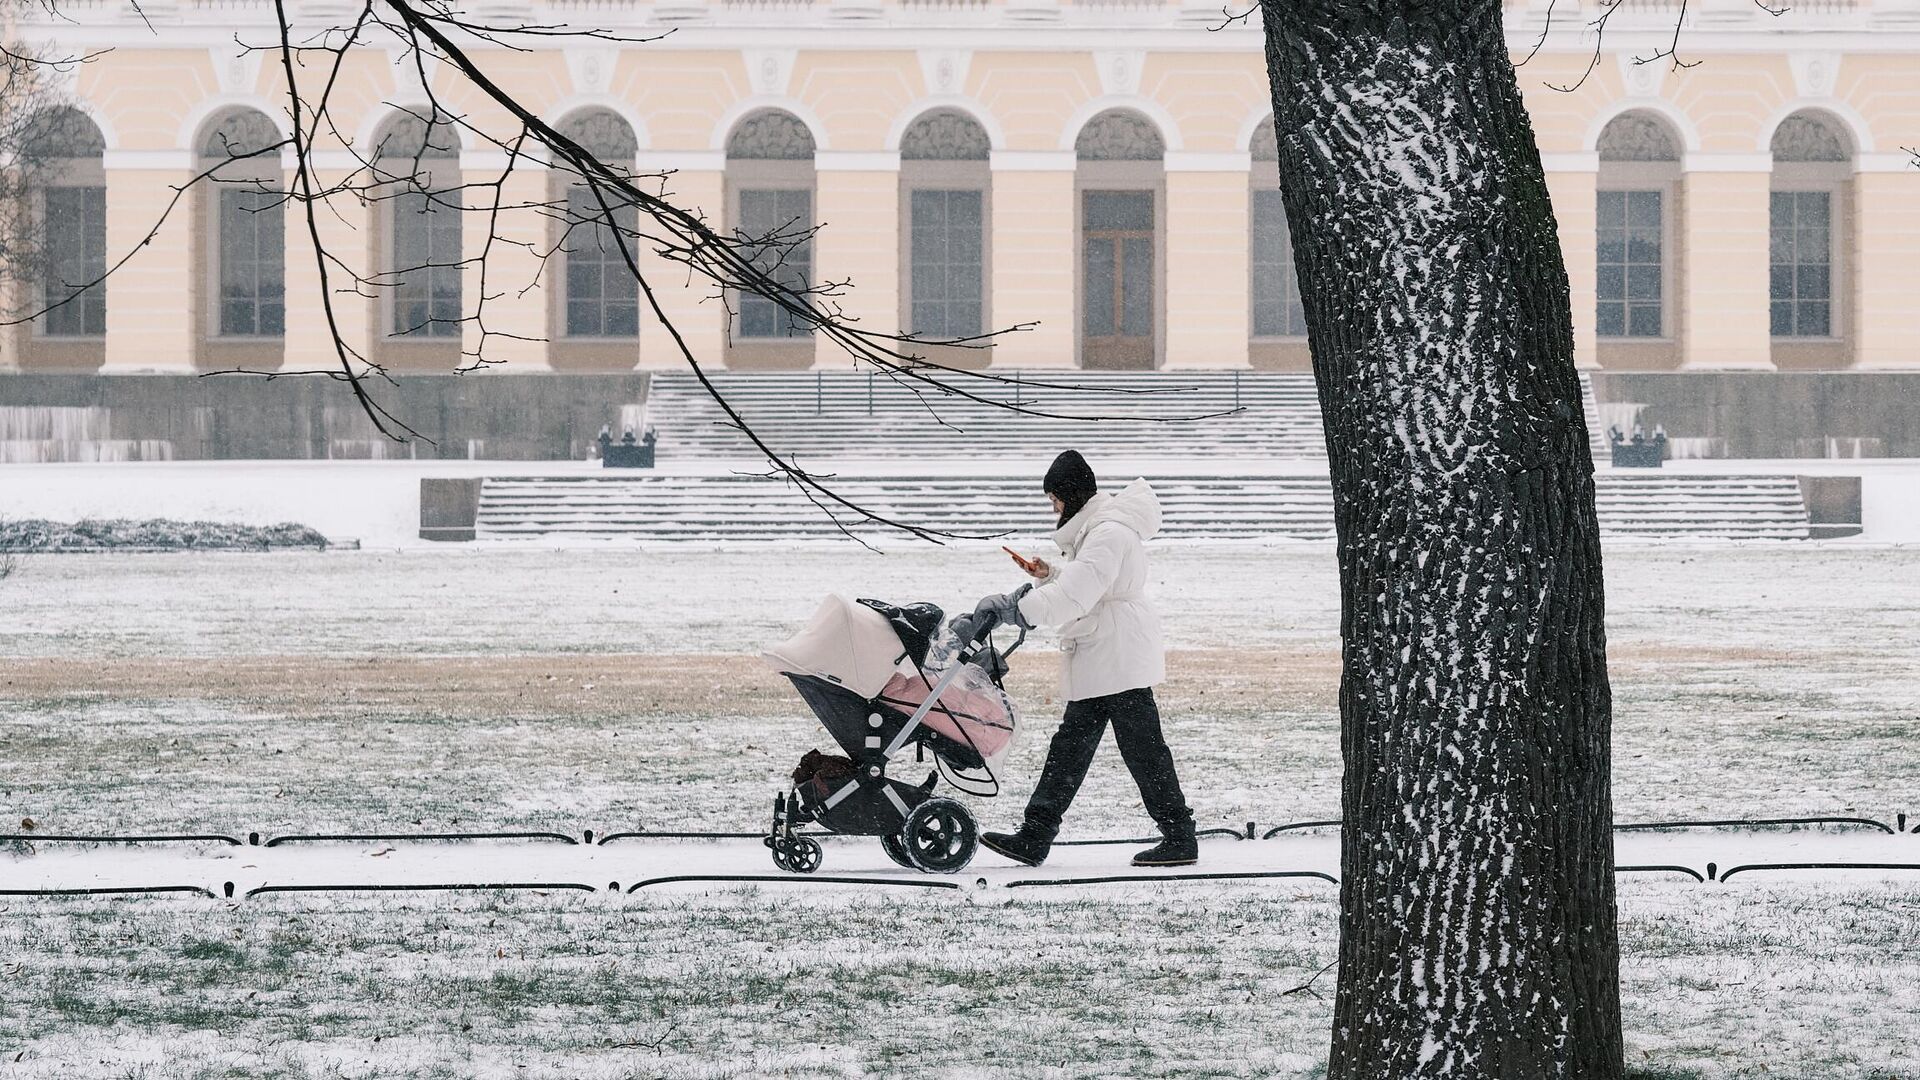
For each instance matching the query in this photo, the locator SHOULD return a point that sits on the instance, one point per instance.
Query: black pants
(1136, 729)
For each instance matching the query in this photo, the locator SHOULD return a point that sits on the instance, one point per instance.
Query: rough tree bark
(1477, 902)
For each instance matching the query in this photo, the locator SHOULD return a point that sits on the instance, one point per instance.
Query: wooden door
(1116, 279)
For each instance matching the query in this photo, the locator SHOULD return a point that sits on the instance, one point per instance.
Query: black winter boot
(1180, 848)
(1028, 847)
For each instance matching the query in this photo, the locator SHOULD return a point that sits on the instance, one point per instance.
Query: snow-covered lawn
(603, 690)
(1160, 981)
(610, 690)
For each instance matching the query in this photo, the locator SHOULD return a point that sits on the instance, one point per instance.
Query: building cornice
(1886, 163)
(1199, 161)
(856, 161)
(181, 161)
(1000, 28)
(1726, 163)
(1587, 162)
(1033, 160)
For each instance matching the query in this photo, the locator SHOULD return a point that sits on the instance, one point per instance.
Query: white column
(149, 298)
(1573, 186)
(857, 202)
(1033, 257)
(347, 232)
(502, 281)
(1723, 257)
(1208, 250)
(688, 301)
(1886, 262)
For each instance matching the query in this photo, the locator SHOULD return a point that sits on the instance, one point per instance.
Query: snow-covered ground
(610, 690)
(1758, 982)
(463, 688)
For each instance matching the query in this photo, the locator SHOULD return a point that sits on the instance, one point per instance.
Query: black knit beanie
(1070, 479)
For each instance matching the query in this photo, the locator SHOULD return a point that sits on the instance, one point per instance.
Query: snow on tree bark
(1478, 933)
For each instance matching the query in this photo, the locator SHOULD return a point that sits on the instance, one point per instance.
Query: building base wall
(1771, 414)
(501, 417)
(555, 416)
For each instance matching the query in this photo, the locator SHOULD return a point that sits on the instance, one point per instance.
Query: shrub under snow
(153, 533)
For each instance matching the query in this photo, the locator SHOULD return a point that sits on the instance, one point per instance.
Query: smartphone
(1026, 564)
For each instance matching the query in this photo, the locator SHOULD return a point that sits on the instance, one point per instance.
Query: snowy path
(317, 866)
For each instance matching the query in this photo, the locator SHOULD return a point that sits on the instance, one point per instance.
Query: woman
(1111, 638)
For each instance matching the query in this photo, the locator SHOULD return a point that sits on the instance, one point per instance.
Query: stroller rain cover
(878, 651)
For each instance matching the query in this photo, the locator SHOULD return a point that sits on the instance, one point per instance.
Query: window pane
(1130, 210)
(946, 272)
(1613, 283)
(1781, 320)
(784, 214)
(1276, 288)
(1098, 279)
(1643, 209)
(1780, 244)
(1812, 245)
(600, 288)
(1643, 246)
(1811, 282)
(930, 281)
(251, 250)
(1630, 264)
(1137, 287)
(426, 256)
(1813, 320)
(1813, 208)
(1780, 281)
(929, 317)
(1613, 209)
(76, 242)
(1612, 320)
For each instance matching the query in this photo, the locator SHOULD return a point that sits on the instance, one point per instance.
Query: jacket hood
(1137, 507)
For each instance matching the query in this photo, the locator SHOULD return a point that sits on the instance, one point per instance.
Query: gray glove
(1006, 606)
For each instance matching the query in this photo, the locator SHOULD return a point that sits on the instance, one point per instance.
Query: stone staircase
(820, 416)
(734, 508)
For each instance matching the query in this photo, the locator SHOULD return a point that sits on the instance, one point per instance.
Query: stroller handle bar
(974, 627)
(977, 632)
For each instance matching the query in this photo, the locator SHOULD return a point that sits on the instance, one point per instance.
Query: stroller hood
(848, 644)
(916, 625)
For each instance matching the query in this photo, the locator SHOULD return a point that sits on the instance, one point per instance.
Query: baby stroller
(883, 679)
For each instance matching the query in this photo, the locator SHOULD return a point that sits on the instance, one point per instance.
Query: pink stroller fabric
(972, 712)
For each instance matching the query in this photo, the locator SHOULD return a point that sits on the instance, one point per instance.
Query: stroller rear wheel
(797, 854)
(939, 836)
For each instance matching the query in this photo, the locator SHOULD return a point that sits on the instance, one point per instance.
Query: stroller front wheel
(797, 854)
(939, 836)
(897, 851)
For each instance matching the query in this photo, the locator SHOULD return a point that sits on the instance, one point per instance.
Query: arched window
(246, 225)
(1277, 311)
(419, 155)
(770, 181)
(945, 180)
(602, 297)
(63, 148)
(1118, 135)
(1639, 169)
(1119, 175)
(1811, 175)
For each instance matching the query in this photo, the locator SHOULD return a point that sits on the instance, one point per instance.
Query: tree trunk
(1477, 902)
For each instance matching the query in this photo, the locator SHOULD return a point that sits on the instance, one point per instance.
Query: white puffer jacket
(1108, 628)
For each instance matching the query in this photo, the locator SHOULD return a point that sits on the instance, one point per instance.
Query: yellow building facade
(1102, 171)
